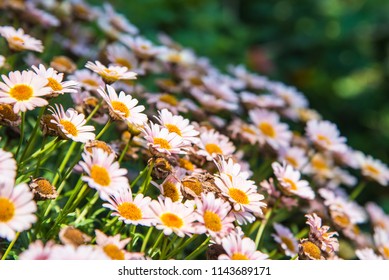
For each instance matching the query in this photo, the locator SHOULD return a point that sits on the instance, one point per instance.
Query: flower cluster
(131, 149)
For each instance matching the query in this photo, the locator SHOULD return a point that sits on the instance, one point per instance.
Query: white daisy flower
(213, 216)
(72, 124)
(344, 213)
(285, 238)
(112, 246)
(8, 167)
(294, 156)
(54, 80)
(103, 173)
(241, 130)
(24, 90)
(167, 101)
(111, 74)
(373, 168)
(181, 57)
(240, 248)
(17, 208)
(212, 144)
(121, 56)
(241, 193)
(142, 47)
(326, 135)
(271, 130)
(161, 140)
(173, 217)
(19, 41)
(123, 106)
(377, 216)
(179, 125)
(135, 211)
(290, 181)
(87, 79)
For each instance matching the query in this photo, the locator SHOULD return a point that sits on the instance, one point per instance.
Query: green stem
(40, 157)
(64, 162)
(124, 151)
(262, 227)
(198, 250)
(143, 188)
(10, 246)
(144, 244)
(152, 251)
(181, 247)
(164, 248)
(21, 133)
(87, 207)
(143, 172)
(357, 191)
(107, 125)
(93, 112)
(33, 134)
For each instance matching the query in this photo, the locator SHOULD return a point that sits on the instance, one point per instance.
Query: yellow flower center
(175, 58)
(213, 148)
(319, 163)
(21, 92)
(54, 84)
(247, 129)
(212, 221)
(163, 143)
(292, 161)
(121, 107)
(184, 163)
(171, 220)
(292, 184)
(7, 210)
(323, 138)
(340, 219)
(17, 40)
(100, 175)
(113, 252)
(170, 190)
(267, 129)
(173, 128)
(238, 195)
(123, 62)
(69, 127)
(169, 99)
(130, 211)
(385, 252)
(90, 82)
(194, 185)
(311, 250)
(371, 169)
(288, 243)
(239, 256)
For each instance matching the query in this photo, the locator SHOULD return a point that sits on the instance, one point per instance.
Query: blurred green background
(335, 51)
